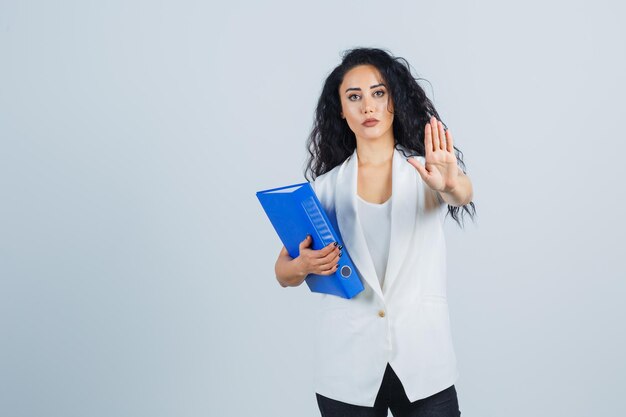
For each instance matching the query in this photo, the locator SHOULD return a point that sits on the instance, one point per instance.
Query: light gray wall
(136, 265)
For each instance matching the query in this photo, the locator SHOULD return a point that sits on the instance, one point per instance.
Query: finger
(335, 254)
(323, 251)
(322, 256)
(330, 271)
(433, 127)
(328, 249)
(305, 243)
(449, 141)
(442, 136)
(329, 263)
(419, 167)
(428, 139)
(328, 259)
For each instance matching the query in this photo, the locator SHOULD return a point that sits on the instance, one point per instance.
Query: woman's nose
(368, 106)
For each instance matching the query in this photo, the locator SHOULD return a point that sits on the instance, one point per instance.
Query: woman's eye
(382, 93)
(352, 95)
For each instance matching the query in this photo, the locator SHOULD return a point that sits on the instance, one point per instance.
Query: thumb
(306, 242)
(419, 167)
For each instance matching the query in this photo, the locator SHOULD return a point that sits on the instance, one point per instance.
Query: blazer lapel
(404, 209)
(349, 223)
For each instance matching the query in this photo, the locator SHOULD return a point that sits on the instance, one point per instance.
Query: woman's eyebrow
(359, 88)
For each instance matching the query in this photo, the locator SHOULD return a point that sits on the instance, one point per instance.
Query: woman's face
(364, 96)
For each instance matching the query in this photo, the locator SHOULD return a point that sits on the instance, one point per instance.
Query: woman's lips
(370, 123)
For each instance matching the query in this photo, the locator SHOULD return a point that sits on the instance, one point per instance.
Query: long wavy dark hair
(331, 140)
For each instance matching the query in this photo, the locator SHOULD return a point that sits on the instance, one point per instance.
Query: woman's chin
(372, 135)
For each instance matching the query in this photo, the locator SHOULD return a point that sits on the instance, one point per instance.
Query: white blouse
(376, 225)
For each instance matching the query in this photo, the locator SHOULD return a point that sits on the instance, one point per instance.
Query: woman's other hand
(291, 272)
(441, 171)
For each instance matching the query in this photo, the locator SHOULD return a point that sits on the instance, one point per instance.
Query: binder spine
(317, 220)
(320, 224)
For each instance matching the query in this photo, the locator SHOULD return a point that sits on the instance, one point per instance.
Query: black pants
(392, 395)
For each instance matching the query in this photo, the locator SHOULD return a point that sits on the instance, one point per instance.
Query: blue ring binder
(295, 211)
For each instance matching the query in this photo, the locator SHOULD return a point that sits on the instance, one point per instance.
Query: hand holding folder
(318, 260)
(295, 211)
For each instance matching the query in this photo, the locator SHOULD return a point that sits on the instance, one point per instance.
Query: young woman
(385, 169)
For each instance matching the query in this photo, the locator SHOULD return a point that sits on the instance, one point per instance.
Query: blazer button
(381, 313)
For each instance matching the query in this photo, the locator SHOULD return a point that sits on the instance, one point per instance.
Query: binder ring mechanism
(346, 271)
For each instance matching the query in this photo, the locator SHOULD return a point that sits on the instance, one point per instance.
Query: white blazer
(405, 323)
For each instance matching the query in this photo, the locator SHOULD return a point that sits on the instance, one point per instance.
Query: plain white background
(137, 266)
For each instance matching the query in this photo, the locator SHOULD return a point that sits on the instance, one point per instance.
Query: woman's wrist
(299, 271)
(291, 273)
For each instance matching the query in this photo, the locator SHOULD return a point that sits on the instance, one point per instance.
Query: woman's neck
(376, 152)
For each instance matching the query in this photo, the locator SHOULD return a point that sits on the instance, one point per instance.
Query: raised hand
(441, 171)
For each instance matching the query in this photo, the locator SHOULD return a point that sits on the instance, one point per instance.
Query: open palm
(441, 171)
